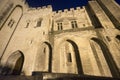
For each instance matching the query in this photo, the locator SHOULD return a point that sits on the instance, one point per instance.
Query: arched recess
(16, 14)
(70, 61)
(104, 58)
(14, 64)
(44, 58)
(10, 26)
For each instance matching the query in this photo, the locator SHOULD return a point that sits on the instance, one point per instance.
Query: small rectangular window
(39, 23)
(44, 50)
(69, 58)
(11, 23)
(74, 24)
(27, 25)
(60, 27)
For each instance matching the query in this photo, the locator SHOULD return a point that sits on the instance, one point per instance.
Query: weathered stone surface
(81, 41)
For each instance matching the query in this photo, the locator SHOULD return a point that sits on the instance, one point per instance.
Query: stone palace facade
(84, 41)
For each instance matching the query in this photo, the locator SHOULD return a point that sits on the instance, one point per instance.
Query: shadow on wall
(14, 64)
(77, 56)
(108, 57)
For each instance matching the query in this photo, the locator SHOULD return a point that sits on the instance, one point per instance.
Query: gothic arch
(74, 54)
(77, 56)
(11, 13)
(50, 56)
(8, 35)
(44, 58)
(108, 57)
(14, 64)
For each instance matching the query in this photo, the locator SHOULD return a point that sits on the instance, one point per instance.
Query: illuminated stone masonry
(82, 41)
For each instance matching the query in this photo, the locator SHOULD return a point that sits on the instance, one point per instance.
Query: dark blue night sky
(59, 4)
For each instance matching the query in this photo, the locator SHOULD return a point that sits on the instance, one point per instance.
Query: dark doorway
(14, 64)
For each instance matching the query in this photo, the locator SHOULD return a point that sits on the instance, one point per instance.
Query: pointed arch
(108, 57)
(14, 63)
(77, 56)
(50, 56)
(70, 61)
(17, 6)
(12, 20)
(44, 58)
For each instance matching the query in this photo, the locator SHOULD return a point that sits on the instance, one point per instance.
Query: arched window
(14, 64)
(105, 62)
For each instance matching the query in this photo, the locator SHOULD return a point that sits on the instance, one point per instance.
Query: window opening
(44, 50)
(11, 23)
(27, 25)
(60, 27)
(74, 24)
(69, 58)
(39, 22)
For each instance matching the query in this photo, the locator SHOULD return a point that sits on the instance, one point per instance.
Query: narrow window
(74, 24)
(60, 27)
(39, 23)
(11, 23)
(27, 25)
(44, 50)
(69, 58)
(28, 22)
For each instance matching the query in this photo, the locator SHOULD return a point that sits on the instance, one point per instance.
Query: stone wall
(81, 41)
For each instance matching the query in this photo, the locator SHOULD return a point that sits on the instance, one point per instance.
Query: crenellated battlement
(69, 10)
(39, 8)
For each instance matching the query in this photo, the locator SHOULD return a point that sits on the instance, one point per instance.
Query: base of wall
(55, 76)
